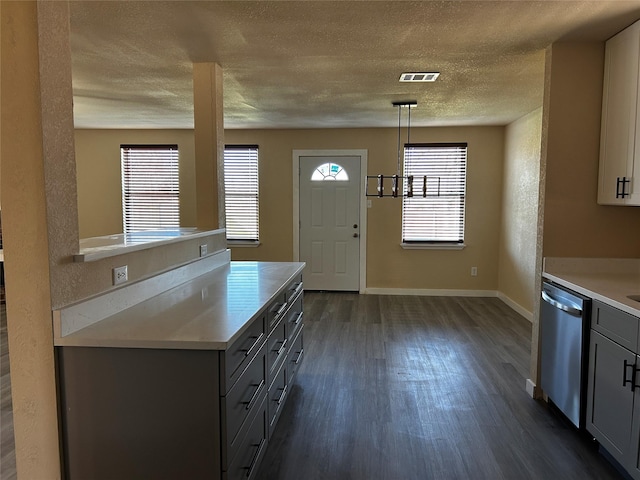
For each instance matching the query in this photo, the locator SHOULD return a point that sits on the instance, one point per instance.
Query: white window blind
(150, 187)
(241, 192)
(438, 217)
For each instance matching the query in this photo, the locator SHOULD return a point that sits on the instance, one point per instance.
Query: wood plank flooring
(7, 447)
(396, 387)
(407, 387)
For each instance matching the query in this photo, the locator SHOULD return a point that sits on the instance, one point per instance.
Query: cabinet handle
(254, 397)
(625, 380)
(621, 187)
(281, 310)
(281, 349)
(634, 372)
(253, 345)
(297, 361)
(282, 395)
(299, 318)
(254, 460)
(297, 289)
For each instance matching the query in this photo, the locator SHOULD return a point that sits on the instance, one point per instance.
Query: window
(439, 171)
(329, 171)
(150, 189)
(241, 192)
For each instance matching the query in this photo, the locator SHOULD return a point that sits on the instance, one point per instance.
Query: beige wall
(574, 224)
(518, 232)
(388, 265)
(40, 221)
(26, 245)
(99, 182)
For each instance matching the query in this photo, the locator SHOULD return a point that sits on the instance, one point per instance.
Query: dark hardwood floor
(7, 448)
(396, 387)
(408, 387)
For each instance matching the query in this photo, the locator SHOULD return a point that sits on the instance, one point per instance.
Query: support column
(25, 241)
(209, 145)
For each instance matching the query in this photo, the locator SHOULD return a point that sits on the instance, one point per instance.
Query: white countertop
(208, 312)
(607, 280)
(96, 248)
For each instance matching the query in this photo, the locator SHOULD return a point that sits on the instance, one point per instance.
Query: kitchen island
(186, 383)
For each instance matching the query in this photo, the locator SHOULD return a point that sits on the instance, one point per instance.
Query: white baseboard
(514, 306)
(431, 292)
(452, 293)
(531, 388)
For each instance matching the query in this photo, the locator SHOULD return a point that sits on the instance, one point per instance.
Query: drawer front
(235, 359)
(251, 448)
(295, 356)
(276, 310)
(294, 319)
(237, 405)
(276, 397)
(277, 347)
(295, 288)
(616, 325)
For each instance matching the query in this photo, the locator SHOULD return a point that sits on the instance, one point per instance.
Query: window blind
(241, 192)
(150, 187)
(438, 217)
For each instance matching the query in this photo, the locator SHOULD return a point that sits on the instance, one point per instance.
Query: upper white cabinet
(620, 134)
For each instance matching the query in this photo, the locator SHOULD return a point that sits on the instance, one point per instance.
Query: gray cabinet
(285, 329)
(613, 415)
(131, 413)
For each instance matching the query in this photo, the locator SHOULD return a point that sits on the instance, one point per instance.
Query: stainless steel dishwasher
(564, 349)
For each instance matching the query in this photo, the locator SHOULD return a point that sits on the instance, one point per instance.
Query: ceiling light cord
(399, 151)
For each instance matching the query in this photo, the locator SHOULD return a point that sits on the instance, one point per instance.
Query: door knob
(355, 225)
(355, 235)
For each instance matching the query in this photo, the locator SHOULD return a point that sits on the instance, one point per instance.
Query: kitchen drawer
(276, 310)
(251, 448)
(294, 318)
(616, 325)
(294, 358)
(276, 397)
(294, 289)
(234, 360)
(237, 405)
(277, 347)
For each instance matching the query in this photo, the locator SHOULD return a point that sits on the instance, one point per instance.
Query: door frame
(362, 153)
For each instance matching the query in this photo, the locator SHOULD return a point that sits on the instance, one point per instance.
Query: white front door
(329, 222)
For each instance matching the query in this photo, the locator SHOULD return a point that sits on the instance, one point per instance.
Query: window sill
(432, 246)
(243, 243)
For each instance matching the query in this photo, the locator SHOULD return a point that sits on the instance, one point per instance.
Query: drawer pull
(297, 289)
(282, 347)
(254, 460)
(625, 380)
(253, 345)
(282, 395)
(299, 318)
(254, 397)
(281, 310)
(299, 359)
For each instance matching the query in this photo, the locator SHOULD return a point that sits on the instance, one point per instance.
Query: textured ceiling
(314, 64)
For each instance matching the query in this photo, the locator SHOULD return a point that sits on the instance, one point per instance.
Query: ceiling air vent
(419, 77)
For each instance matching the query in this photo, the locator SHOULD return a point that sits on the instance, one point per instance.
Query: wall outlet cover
(120, 275)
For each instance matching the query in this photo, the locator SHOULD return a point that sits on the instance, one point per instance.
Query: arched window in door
(329, 171)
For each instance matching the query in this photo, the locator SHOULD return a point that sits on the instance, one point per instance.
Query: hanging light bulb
(397, 179)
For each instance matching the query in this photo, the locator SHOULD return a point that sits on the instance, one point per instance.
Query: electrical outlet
(120, 275)
(203, 250)
(474, 271)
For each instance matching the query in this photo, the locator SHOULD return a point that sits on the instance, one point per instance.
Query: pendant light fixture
(378, 182)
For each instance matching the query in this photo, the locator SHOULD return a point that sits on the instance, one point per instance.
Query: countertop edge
(586, 287)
